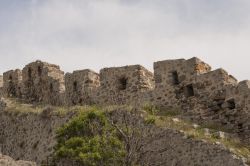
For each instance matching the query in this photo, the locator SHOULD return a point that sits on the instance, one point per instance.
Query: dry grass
(170, 121)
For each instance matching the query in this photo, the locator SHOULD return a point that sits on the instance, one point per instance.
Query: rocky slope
(8, 161)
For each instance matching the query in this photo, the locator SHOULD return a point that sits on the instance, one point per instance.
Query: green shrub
(90, 140)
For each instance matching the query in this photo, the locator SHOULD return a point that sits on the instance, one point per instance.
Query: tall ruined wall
(43, 82)
(1, 85)
(81, 86)
(189, 85)
(171, 77)
(12, 83)
(121, 85)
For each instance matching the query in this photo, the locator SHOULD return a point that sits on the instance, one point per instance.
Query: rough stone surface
(170, 147)
(29, 136)
(32, 137)
(80, 86)
(43, 82)
(1, 81)
(8, 161)
(12, 83)
(3, 104)
(187, 85)
(121, 85)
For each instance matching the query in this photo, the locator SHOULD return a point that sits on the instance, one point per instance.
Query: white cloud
(94, 34)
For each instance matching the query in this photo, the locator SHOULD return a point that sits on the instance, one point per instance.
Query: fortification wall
(43, 82)
(12, 83)
(1, 81)
(1, 85)
(81, 86)
(173, 80)
(121, 85)
(189, 85)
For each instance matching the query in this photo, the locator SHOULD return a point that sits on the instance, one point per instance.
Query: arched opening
(123, 83)
(39, 71)
(75, 86)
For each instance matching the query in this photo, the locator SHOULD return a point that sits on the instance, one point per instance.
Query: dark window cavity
(75, 86)
(10, 78)
(51, 87)
(189, 90)
(29, 72)
(39, 71)
(175, 78)
(123, 83)
(231, 104)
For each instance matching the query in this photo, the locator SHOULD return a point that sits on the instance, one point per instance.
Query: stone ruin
(12, 83)
(80, 86)
(189, 85)
(121, 85)
(43, 82)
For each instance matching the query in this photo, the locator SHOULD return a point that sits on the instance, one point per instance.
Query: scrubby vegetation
(209, 132)
(90, 140)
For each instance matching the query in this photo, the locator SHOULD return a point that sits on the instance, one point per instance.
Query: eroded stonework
(43, 82)
(186, 85)
(121, 85)
(81, 85)
(12, 83)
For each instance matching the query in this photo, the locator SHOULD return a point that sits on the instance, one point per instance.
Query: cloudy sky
(79, 34)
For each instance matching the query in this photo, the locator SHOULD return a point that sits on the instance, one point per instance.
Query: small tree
(90, 140)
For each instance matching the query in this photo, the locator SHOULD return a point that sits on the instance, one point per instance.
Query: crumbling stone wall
(81, 86)
(43, 82)
(1, 85)
(1, 81)
(186, 84)
(12, 83)
(173, 78)
(120, 85)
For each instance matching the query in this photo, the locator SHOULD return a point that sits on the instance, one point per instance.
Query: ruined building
(43, 82)
(121, 85)
(188, 85)
(80, 86)
(12, 83)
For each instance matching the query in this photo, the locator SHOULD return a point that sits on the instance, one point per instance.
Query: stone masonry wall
(12, 81)
(121, 85)
(1, 85)
(43, 82)
(80, 86)
(171, 76)
(188, 85)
